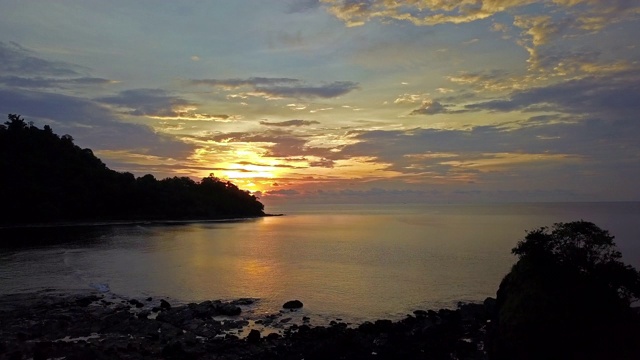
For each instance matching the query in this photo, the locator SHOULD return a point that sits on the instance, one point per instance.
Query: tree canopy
(46, 178)
(567, 297)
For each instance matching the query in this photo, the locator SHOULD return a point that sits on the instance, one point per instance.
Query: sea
(350, 262)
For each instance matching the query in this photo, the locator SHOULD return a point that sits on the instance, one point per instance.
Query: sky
(355, 101)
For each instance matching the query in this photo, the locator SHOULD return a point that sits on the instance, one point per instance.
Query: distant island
(46, 178)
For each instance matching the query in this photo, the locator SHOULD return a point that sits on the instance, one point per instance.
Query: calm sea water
(354, 262)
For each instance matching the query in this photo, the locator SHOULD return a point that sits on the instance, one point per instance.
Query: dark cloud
(290, 123)
(325, 163)
(42, 82)
(141, 102)
(283, 87)
(91, 124)
(17, 60)
(430, 107)
(160, 103)
(253, 81)
(285, 192)
(584, 145)
(331, 90)
(23, 68)
(612, 97)
(285, 166)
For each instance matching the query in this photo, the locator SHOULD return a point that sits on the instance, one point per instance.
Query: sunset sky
(341, 100)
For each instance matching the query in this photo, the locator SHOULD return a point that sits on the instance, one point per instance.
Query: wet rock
(228, 309)
(175, 351)
(367, 327)
(164, 305)
(243, 301)
(87, 300)
(143, 314)
(420, 313)
(273, 336)
(384, 325)
(253, 337)
(292, 304)
(136, 303)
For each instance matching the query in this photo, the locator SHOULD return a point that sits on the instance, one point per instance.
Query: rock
(85, 301)
(175, 351)
(164, 305)
(367, 327)
(273, 336)
(292, 304)
(136, 303)
(420, 313)
(243, 301)
(384, 325)
(253, 337)
(143, 314)
(228, 309)
(490, 306)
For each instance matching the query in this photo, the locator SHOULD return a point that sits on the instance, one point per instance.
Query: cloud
(18, 60)
(282, 192)
(418, 12)
(23, 68)
(160, 104)
(42, 82)
(236, 83)
(278, 144)
(281, 87)
(324, 163)
(331, 90)
(588, 146)
(90, 123)
(612, 96)
(290, 123)
(434, 107)
(589, 14)
(430, 107)
(409, 98)
(494, 80)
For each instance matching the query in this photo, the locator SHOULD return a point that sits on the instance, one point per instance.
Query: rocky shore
(97, 326)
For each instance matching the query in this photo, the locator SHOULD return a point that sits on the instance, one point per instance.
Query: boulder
(253, 337)
(164, 305)
(228, 309)
(292, 304)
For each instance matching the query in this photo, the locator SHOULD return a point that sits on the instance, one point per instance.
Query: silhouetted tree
(567, 297)
(45, 177)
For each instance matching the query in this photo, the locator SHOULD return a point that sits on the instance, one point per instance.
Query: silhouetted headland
(46, 178)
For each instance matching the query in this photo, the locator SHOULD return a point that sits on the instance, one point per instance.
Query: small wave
(103, 287)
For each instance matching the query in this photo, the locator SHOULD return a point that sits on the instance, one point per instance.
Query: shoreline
(98, 223)
(81, 324)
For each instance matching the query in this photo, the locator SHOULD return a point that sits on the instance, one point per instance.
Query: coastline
(76, 325)
(131, 222)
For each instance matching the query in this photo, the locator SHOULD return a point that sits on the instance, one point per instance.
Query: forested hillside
(47, 178)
